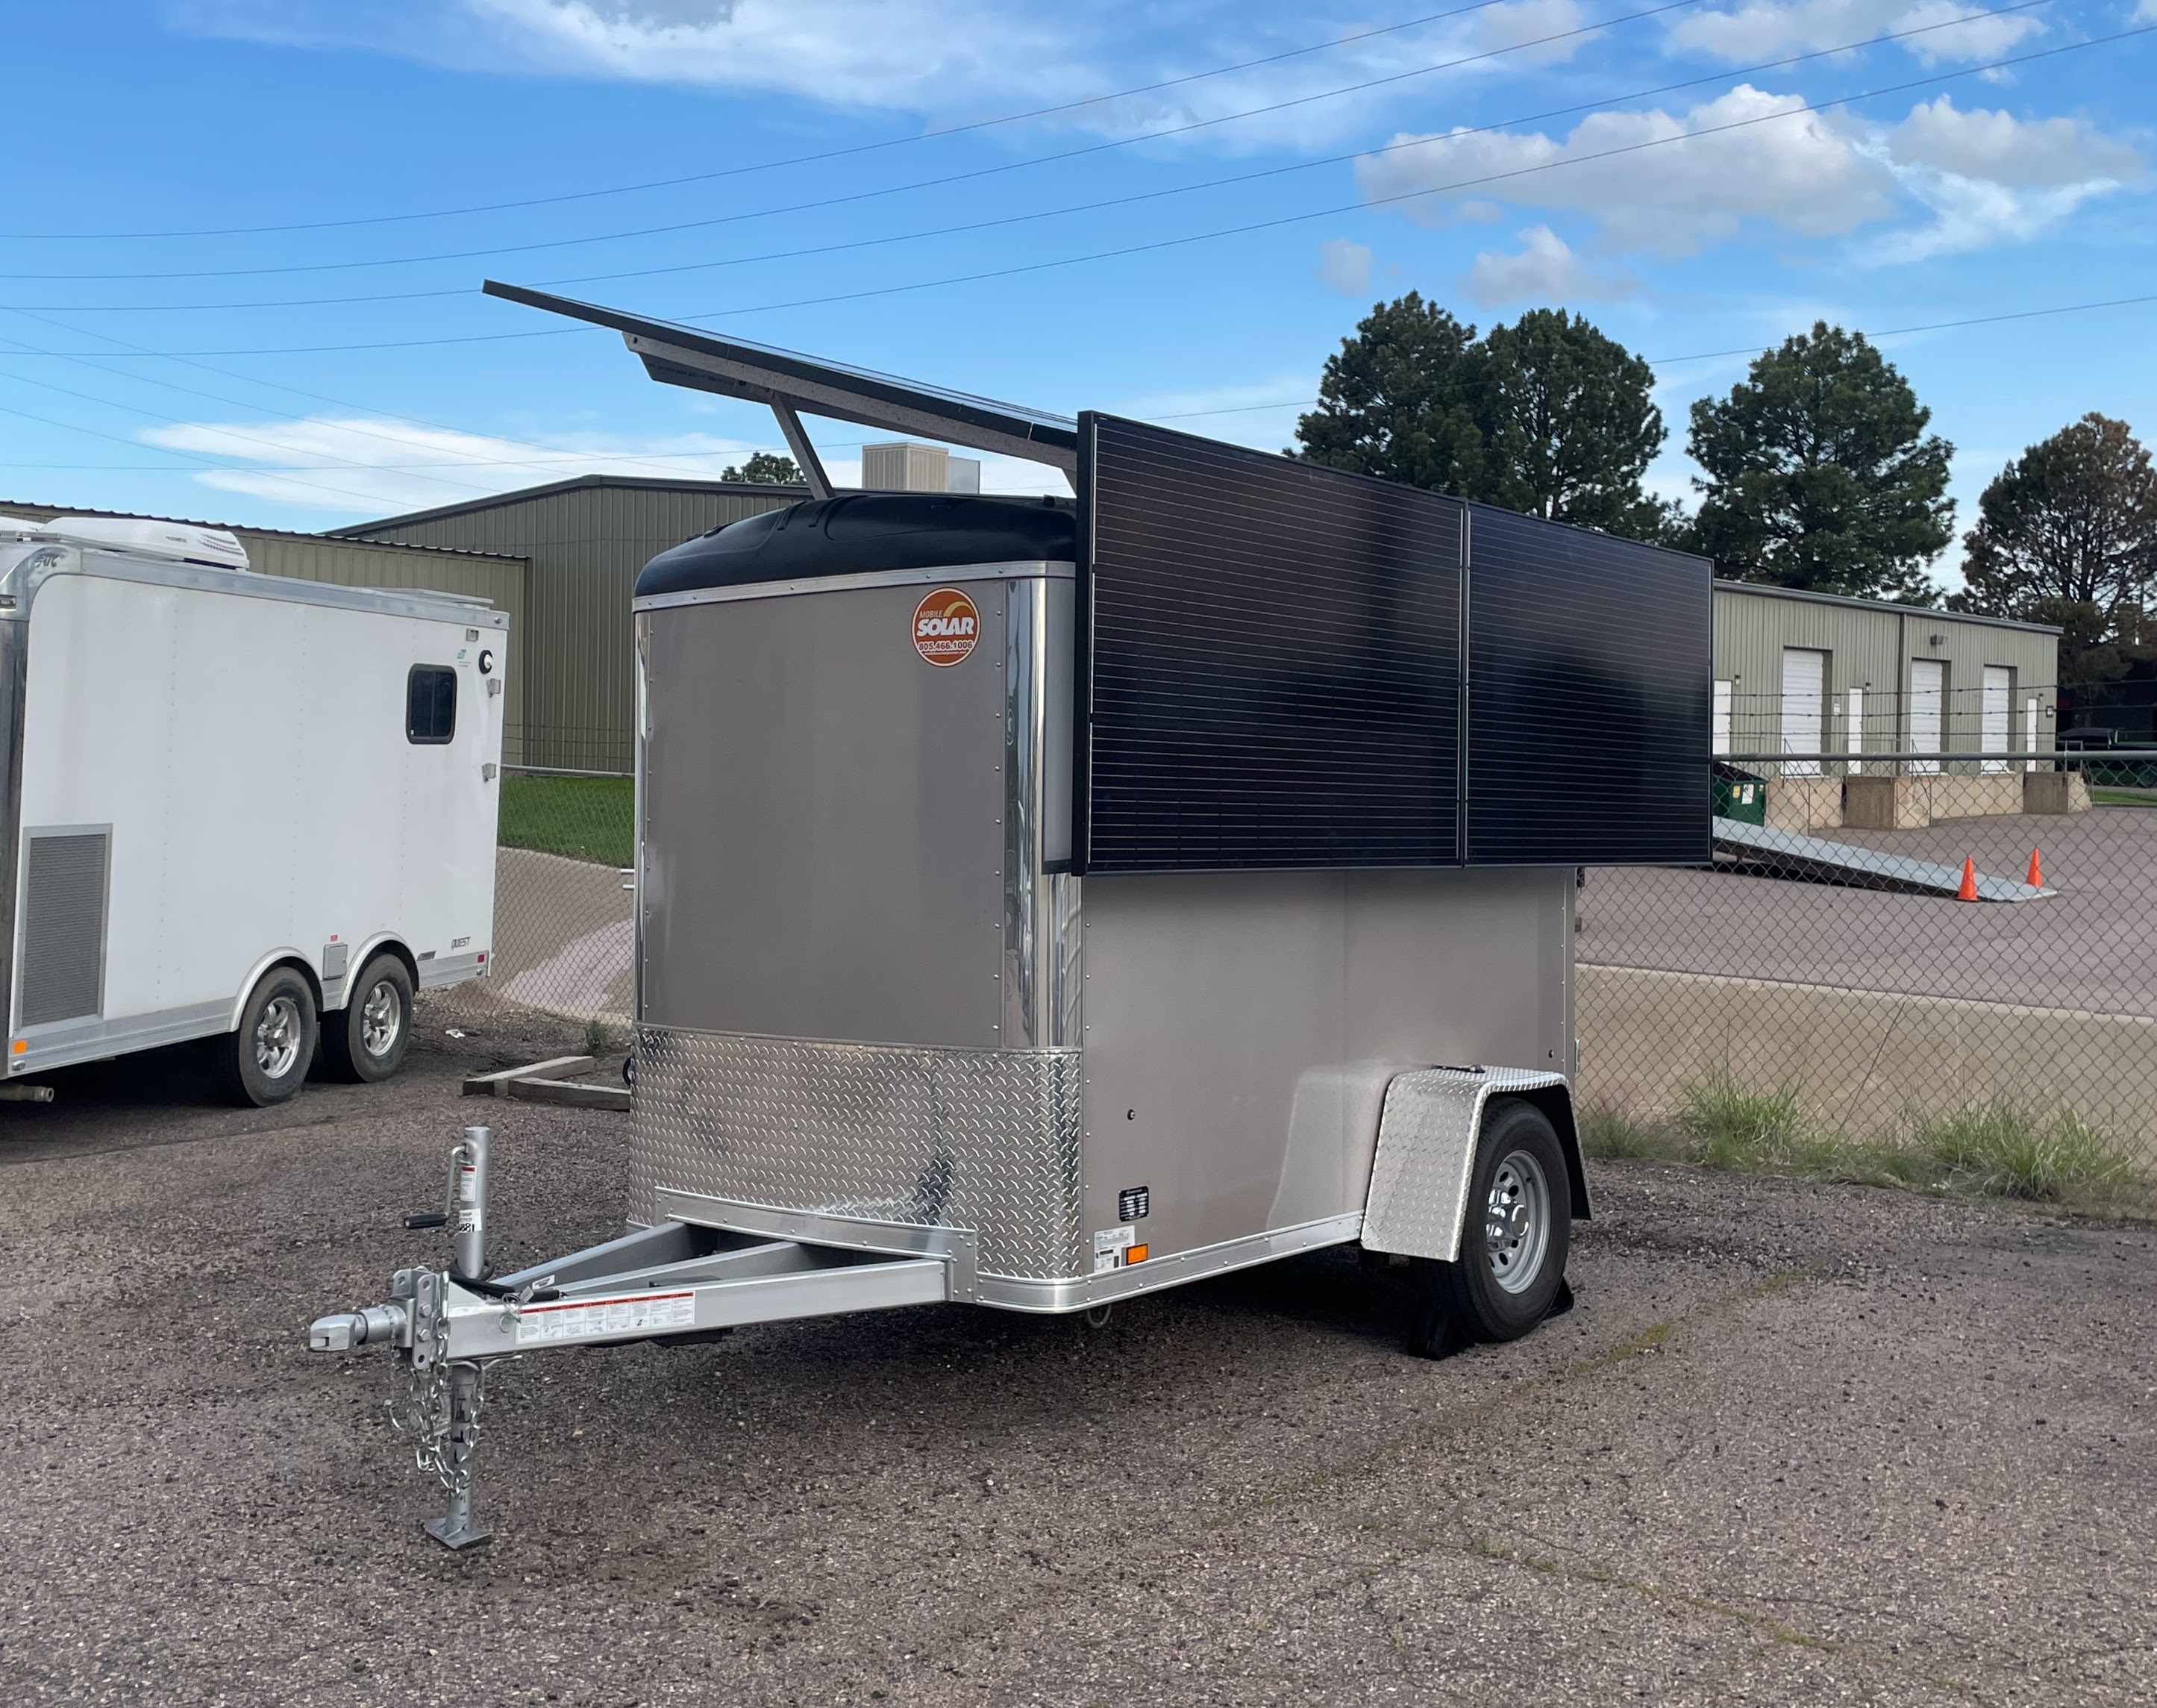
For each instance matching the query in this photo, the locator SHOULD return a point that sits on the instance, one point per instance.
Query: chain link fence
(563, 938)
(1825, 976)
(1887, 952)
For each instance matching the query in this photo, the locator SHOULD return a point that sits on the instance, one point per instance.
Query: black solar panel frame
(1334, 747)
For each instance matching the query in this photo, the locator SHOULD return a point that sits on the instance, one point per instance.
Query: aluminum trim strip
(248, 584)
(67, 1041)
(1034, 570)
(451, 969)
(1157, 1274)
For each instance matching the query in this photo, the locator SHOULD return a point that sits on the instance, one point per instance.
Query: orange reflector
(21, 1045)
(1137, 1254)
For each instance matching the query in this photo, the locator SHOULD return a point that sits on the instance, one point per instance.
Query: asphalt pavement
(1797, 1444)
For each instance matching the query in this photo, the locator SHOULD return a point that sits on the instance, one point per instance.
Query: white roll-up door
(1928, 702)
(1999, 696)
(1804, 702)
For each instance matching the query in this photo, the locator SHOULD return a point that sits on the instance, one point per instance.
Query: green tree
(1547, 415)
(1398, 400)
(1568, 425)
(1820, 474)
(2066, 533)
(765, 468)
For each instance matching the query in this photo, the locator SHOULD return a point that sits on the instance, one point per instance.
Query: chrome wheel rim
(277, 1036)
(1517, 1221)
(381, 1017)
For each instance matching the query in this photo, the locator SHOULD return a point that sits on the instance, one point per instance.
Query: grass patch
(1609, 1134)
(2124, 797)
(580, 818)
(2001, 1148)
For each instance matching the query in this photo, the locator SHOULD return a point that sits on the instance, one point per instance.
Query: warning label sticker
(1109, 1245)
(946, 624)
(589, 1318)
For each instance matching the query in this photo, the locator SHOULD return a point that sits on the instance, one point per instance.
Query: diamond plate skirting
(982, 1139)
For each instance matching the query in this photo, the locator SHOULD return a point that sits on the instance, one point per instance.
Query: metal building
(1811, 673)
(585, 540)
(498, 577)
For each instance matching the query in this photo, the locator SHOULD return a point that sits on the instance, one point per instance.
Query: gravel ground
(1798, 1444)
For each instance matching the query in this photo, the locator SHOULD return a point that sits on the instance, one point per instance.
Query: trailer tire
(1515, 1233)
(365, 1041)
(266, 1060)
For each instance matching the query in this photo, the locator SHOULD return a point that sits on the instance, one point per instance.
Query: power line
(1103, 204)
(1329, 212)
(857, 196)
(854, 149)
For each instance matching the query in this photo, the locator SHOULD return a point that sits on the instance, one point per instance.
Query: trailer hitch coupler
(349, 1329)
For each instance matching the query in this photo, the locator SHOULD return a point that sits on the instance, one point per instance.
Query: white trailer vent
(64, 889)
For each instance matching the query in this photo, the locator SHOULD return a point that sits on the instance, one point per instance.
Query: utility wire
(1184, 240)
(858, 148)
(858, 196)
(1012, 219)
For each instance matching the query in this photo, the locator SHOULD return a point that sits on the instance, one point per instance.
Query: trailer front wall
(823, 840)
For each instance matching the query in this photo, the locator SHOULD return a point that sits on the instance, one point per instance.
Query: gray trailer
(1041, 903)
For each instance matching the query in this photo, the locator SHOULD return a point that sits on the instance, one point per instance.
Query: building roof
(525, 495)
(45, 512)
(1767, 590)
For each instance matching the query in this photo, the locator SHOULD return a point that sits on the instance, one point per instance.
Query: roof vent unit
(179, 541)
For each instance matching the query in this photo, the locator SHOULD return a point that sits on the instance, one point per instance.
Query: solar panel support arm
(805, 453)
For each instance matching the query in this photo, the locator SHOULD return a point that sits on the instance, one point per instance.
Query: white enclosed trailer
(236, 806)
(1041, 903)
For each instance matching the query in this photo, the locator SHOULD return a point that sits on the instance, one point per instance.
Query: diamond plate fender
(1427, 1135)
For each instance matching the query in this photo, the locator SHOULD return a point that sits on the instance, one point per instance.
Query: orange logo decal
(946, 627)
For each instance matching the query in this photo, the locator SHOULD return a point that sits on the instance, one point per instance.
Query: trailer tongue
(1041, 903)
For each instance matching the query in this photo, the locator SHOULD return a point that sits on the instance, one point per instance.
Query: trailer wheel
(266, 1060)
(1514, 1236)
(366, 1040)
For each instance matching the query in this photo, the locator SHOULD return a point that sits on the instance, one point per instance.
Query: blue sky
(246, 236)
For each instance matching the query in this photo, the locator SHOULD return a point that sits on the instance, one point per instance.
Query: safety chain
(421, 1402)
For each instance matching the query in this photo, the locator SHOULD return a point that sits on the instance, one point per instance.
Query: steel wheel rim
(1517, 1221)
(380, 1019)
(277, 1036)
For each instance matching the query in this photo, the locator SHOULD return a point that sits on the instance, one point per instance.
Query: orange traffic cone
(1968, 893)
(2036, 877)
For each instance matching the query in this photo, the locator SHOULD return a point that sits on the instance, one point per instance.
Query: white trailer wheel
(366, 1040)
(265, 1059)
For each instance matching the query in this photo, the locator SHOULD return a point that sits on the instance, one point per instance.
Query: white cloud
(1761, 29)
(364, 465)
(952, 61)
(1526, 21)
(1990, 178)
(1998, 147)
(1545, 270)
(1345, 265)
(1806, 172)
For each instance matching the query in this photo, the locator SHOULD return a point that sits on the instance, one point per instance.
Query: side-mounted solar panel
(1273, 678)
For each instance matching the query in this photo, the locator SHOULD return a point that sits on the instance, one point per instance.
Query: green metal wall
(345, 562)
(585, 540)
(1871, 646)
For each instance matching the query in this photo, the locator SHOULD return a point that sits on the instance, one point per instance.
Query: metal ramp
(1825, 862)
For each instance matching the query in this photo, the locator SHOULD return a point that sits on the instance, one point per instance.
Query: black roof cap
(865, 533)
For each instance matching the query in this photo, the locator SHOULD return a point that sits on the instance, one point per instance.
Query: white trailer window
(1720, 729)
(430, 705)
(1928, 702)
(1999, 696)
(1805, 706)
